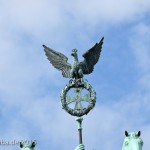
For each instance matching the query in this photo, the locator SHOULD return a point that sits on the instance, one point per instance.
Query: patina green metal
(24, 146)
(132, 141)
(78, 86)
(75, 72)
(80, 147)
(77, 69)
(79, 121)
(77, 83)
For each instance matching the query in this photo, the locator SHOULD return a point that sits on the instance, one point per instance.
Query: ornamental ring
(91, 98)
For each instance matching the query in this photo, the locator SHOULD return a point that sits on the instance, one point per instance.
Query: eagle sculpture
(77, 69)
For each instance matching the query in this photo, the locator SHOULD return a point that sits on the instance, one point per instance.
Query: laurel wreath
(77, 84)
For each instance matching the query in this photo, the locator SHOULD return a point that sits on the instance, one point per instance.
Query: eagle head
(74, 52)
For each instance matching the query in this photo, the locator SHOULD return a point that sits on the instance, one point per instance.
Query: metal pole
(79, 121)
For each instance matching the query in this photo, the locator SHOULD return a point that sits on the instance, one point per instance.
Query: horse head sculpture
(132, 141)
(27, 146)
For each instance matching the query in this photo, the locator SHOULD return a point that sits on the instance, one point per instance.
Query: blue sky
(30, 87)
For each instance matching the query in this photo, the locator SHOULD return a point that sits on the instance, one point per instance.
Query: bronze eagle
(77, 69)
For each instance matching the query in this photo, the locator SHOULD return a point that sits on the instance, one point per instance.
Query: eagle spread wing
(91, 57)
(58, 60)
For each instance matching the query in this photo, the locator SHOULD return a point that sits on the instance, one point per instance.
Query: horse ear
(33, 144)
(139, 133)
(126, 133)
(21, 145)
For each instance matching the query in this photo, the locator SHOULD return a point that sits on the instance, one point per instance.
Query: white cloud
(140, 45)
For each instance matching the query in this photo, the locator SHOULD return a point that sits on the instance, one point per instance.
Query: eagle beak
(72, 54)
